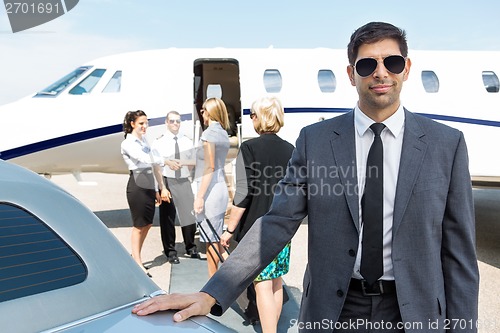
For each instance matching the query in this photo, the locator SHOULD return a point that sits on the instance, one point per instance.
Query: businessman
(390, 214)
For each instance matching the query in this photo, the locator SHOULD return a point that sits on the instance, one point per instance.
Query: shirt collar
(215, 124)
(133, 138)
(171, 135)
(394, 123)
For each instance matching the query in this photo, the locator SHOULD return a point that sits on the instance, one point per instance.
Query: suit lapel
(412, 156)
(344, 156)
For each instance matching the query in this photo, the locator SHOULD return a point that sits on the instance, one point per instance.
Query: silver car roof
(113, 280)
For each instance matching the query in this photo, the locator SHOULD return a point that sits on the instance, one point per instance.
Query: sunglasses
(173, 121)
(394, 64)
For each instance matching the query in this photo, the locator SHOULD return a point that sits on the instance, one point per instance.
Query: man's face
(379, 91)
(173, 123)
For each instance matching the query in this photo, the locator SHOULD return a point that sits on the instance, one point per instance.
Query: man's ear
(407, 69)
(350, 73)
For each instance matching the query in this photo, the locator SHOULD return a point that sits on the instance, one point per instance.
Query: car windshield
(58, 86)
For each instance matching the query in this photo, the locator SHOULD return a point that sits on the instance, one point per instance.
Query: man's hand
(197, 304)
(165, 195)
(173, 164)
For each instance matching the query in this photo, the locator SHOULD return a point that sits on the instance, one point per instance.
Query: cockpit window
(114, 84)
(88, 83)
(55, 88)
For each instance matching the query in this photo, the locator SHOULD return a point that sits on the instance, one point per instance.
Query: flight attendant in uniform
(145, 179)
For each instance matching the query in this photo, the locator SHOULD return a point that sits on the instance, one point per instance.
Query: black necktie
(372, 267)
(177, 156)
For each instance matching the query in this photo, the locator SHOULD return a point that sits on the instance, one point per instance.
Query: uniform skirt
(141, 197)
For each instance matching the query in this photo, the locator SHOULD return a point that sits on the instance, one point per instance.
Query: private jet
(75, 124)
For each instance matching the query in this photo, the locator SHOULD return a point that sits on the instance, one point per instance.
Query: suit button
(352, 253)
(340, 293)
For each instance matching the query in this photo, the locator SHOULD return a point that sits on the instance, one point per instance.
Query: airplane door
(218, 78)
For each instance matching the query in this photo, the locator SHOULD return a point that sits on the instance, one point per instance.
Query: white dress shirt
(165, 146)
(392, 139)
(137, 153)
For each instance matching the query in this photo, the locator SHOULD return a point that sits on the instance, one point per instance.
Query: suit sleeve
(267, 237)
(458, 255)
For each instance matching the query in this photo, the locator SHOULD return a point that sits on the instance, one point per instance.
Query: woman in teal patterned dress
(260, 165)
(278, 267)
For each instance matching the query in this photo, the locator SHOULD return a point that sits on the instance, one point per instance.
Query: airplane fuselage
(76, 125)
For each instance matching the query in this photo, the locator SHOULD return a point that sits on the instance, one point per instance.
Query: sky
(35, 58)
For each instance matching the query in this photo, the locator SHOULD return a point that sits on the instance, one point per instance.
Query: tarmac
(104, 194)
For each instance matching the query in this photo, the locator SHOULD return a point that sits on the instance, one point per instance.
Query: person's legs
(141, 201)
(167, 229)
(251, 311)
(182, 195)
(138, 236)
(210, 230)
(212, 225)
(212, 259)
(362, 314)
(188, 233)
(278, 295)
(269, 302)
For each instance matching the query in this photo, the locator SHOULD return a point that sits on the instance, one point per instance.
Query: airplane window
(114, 84)
(33, 258)
(272, 80)
(430, 81)
(491, 82)
(55, 88)
(326, 81)
(88, 83)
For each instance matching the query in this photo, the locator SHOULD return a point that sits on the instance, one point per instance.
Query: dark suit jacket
(433, 247)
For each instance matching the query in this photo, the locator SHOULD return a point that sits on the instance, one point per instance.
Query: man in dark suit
(418, 232)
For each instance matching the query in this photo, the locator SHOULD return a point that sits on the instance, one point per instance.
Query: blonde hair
(270, 115)
(217, 111)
